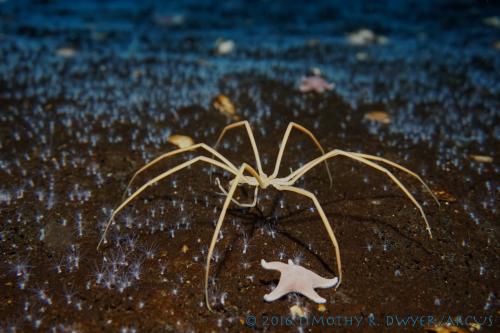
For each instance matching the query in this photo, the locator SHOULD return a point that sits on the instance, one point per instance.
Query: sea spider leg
(250, 136)
(252, 204)
(234, 184)
(158, 178)
(179, 151)
(323, 218)
(301, 171)
(402, 168)
(304, 130)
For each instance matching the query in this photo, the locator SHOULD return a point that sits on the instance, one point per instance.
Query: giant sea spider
(247, 175)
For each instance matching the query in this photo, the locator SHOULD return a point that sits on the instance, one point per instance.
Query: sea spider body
(247, 175)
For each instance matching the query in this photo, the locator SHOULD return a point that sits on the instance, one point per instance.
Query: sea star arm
(273, 265)
(282, 289)
(310, 293)
(295, 278)
(321, 282)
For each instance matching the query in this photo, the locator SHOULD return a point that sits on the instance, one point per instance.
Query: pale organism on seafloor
(365, 37)
(66, 52)
(225, 106)
(295, 278)
(315, 83)
(247, 175)
(224, 46)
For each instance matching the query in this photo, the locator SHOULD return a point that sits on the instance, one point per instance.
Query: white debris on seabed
(168, 20)
(224, 46)
(493, 21)
(316, 71)
(362, 56)
(365, 37)
(66, 52)
(297, 312)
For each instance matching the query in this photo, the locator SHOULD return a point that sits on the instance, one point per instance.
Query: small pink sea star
(315, 83)
(295, 278)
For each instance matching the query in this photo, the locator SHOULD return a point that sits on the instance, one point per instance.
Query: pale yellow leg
(179, 151)
(156, 179)
(304, 130)
(325, 222)
(250, 136)
(294, 176)
(400, 167)
(218, 226)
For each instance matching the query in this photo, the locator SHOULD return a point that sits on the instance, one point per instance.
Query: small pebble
(223, 46)
(378, 116)
(181, 141)
(297, 311)
(66, 52)
(224, 105)
(482, 158)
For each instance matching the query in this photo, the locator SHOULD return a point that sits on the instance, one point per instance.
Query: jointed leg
(250, 136)
(158, 178)
(218, 226)
(294, 176)
(179, 151)
(304, 130)
(323, 218)
(400, 167)
(252, 204)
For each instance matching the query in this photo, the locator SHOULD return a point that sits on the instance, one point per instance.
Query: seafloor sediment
(91, 91)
